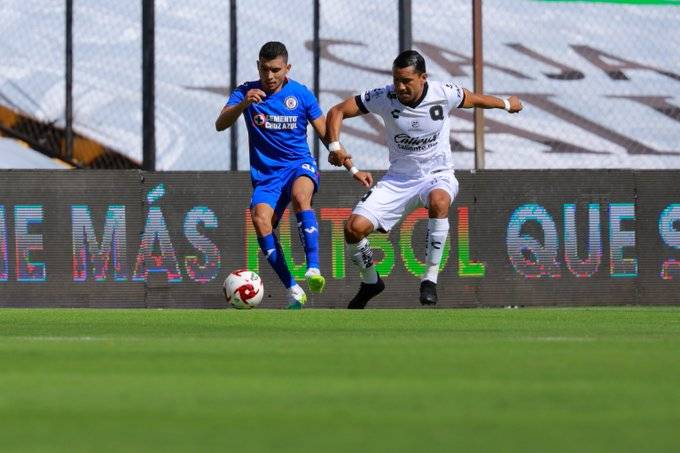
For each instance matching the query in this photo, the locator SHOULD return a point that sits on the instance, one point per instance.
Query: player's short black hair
(410, 58)
(273, 49)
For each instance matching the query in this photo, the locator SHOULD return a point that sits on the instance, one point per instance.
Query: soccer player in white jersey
(416, 115)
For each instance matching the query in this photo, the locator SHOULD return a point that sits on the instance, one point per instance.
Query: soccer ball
(243, 289)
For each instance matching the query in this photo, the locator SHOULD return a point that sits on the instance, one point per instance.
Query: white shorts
(389, 200)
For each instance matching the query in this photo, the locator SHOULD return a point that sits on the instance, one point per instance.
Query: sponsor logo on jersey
(276, 122)
(374, 93)
(406, 142)
(291, 102)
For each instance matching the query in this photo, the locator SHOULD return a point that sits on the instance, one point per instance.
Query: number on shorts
(366, 195)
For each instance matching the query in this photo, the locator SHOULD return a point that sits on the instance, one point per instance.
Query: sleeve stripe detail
(462, 101)
(360, 104)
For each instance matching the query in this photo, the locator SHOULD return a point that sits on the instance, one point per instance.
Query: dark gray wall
(520, 260)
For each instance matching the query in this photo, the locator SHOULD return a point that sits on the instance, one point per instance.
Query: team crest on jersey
(415, 124)
(374, 93)
(259, 119)
(291, 102)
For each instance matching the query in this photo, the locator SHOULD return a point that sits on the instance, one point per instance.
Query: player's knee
(439, 204)
(356, 229)
(261, 222)
(301, 201)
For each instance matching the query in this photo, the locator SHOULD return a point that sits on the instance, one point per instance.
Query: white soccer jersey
(417, 137)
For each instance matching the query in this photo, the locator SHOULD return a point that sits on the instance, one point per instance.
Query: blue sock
(309, 235)
(272, 250)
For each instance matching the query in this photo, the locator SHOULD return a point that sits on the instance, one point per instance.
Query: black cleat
(428, 293)
(367, 291)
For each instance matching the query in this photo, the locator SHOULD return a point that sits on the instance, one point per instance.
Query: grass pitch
(323, 380)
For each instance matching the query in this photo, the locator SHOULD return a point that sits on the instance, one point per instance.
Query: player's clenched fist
(515, 104)
(254, 96)
(338, 157)
(364, 177)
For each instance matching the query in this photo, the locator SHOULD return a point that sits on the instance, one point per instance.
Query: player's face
(273, 73)
(408, 84)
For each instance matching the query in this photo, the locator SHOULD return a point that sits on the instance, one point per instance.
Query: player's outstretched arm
(364, 178)
(319, 126)
(346, 109)
(230, 113)
(337, 155)
(485, 101)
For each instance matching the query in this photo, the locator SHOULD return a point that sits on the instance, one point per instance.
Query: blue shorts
(275, 188)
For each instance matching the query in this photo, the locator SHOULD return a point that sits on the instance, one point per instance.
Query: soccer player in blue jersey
(277, 110)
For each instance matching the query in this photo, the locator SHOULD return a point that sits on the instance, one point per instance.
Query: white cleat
(296, 298)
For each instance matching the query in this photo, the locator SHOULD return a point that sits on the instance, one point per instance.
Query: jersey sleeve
(372, 101)
(237, 95)
(312, 108)
(454, 94)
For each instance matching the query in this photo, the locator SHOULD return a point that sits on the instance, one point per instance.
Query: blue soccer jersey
(277, 126)
(277, 132)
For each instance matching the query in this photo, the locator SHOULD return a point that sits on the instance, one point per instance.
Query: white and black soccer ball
(243, 289)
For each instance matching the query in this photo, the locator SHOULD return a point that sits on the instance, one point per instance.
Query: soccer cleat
(428, 292)
(296, 299)
(367, 291)
(315, 280)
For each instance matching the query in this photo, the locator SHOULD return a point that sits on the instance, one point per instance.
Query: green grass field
(334, 380)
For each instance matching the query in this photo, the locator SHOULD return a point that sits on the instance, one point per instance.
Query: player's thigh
(266, 193)
(302, 193)
(386, 203)
(301, 182)
(357, 227)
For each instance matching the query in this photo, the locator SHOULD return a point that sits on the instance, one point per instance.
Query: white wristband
(334, 146)
(354, 170)
(506, 104)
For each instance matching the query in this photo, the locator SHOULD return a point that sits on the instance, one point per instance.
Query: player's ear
(258, 64)
(288, 66)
